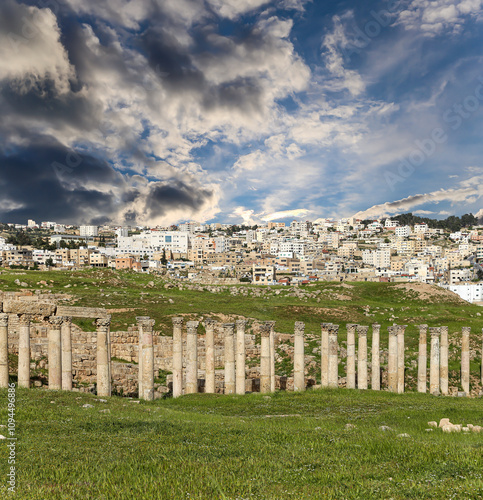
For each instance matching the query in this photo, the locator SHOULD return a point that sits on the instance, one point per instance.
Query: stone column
(465, 359)
(333, 363)
(299, 357)
(240, 356)
(362, 357)
(146, 375)
(140, 355)
(66, 341)
(271, 326)
(191, 357)
(443, 360)
(230, 367)
(55, 353)
(3, 351)
(434, 362)
(423, 358)
(351, 356)
(103, 361)
(376, 359)
(209, 325)
(324, 355)
(24, 351)
(265, 358)
(481, 359)
(400, 358)
(177, 357)
(392, 360)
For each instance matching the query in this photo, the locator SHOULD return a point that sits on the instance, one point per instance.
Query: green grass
(285, 446)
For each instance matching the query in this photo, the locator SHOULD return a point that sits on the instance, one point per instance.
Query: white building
(472, 292)
(31, 223)
(403, 231)
(420, 228)
(380, 258)
(88, 231)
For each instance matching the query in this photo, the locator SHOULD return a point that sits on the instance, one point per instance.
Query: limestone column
(465, 359)
(392, 360)
(140, 355)
(351, 356)
(362, 357)
(400, 358)
(3, 350)
(230, 366)
(271, 326)
(147, 355)
(299, 357)
(191, 357)
(443, 360)
(24, 351)
(324, 355)
(177, 357)
(481, 363)
(434, 361)
(333, 362)
(376, 359)
(66, 342)
(423, 358)
(265, 358)
(103, 361)
(209, 325)
(55, 353)
(240, 356)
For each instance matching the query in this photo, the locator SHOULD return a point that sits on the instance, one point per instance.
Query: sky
(155, 112)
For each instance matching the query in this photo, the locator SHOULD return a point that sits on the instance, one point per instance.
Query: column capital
(434, 331)
(178, 321)
(264, 330)
(362, 330)
(228, 328)
(56, 321)
(145, 322)
(241, 323)
(376, 326)
(103, 322)
(392, 330)
(351, 327)
(444, 329)
(422, 327)
(67, 320)
(333, 329)
(466, 330)
(270, 324)
(208, 323)
(299, 328)
(3, 319)
(401, 329)
(325, 326)
(192, 326)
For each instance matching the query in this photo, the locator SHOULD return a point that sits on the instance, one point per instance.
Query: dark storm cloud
(165, 197)
(31, 184)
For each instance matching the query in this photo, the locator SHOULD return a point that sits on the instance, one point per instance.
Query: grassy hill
(282, 446)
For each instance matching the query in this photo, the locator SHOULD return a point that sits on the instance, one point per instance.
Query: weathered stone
(18, 306)
(82, 312)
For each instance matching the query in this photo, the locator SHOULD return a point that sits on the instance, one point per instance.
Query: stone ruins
(40, 332)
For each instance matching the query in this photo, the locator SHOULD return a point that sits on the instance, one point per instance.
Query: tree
(49, 262)
(164, 260)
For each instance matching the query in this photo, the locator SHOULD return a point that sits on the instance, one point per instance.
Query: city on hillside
(404, 248)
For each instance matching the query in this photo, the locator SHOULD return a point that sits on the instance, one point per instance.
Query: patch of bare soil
(430, 293)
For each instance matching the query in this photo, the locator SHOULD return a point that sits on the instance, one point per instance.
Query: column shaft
(146, 375)
(191, 357)
(465, 360)
(240, 356)
(333, 363)
(272, 355)
(55, 354)
(230, 367)
(362, 357)
(423, 358)
(3, 351)
(103, 361)
(324, 355)
(392, 360)
(265, 359)
(177, 357)
(351, 356)
(299, 357)
(434, 362)
(443, 360)
(66, 341)
(209, 325)
(400, 358)
(24, 352)
(376, 359)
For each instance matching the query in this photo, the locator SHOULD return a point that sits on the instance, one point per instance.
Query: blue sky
(155, 112)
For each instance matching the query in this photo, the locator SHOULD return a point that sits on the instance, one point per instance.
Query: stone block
(26, 307)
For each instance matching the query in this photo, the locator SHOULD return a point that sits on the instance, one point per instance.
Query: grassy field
(282, 446)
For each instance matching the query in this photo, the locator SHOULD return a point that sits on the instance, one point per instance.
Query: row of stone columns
(59, 353)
